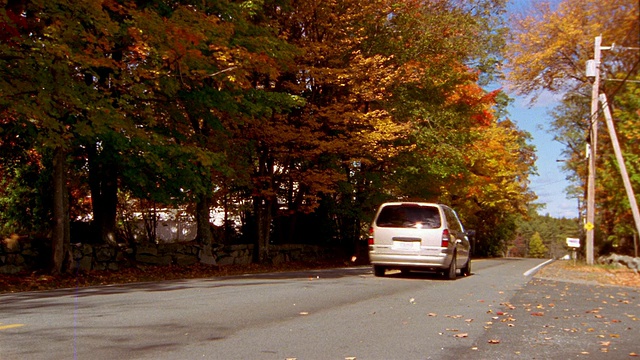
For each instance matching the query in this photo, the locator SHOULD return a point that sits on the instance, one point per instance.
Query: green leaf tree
(537, 249)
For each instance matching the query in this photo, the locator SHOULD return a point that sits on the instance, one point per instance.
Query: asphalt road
(497, 313)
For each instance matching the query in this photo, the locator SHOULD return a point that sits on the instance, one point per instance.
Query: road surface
(328, 314)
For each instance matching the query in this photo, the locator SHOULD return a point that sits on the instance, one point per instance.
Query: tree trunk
(103, 181)
(263, 203)
(61, 226)
(205, 237)
(262, 208)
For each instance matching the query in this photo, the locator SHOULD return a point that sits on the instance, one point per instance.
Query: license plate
(406, 245)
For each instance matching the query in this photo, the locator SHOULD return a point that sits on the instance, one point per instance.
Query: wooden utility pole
(593, 136)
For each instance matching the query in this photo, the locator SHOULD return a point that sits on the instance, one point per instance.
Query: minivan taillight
(445, 238)
(371, 235)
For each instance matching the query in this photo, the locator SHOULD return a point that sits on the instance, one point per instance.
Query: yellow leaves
(369, 78)
(548, 45)
(379, 131)
(499, 162)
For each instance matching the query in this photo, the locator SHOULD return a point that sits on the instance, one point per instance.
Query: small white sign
(573, 242)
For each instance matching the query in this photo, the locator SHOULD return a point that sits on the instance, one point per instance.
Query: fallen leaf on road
(633, 354)
(461, 335)
(537, 313)
(432, 314)
(304, 313)
(494, 341)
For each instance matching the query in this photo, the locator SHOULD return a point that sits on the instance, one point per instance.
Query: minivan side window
(452, 220)
(409, 216)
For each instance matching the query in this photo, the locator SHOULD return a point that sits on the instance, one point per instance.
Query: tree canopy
(285, 114)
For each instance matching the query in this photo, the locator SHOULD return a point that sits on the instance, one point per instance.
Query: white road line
(533, 270)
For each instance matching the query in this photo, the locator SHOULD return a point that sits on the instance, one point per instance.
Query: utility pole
(593, 136)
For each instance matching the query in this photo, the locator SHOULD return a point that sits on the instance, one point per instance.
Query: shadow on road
(420, 275)
(22, 300)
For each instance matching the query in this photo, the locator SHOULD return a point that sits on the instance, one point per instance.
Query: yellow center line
(10, 326)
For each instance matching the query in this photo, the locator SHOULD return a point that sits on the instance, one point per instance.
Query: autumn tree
(304, 154)
(191, 70)
(306, 114)
(151, 96)
(617, 218)
(462, 151)
(548, 52)
(48, 85)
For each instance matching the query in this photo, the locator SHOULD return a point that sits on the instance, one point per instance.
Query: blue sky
(550, 184)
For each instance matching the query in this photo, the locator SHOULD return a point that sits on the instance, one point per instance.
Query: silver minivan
(418, 236)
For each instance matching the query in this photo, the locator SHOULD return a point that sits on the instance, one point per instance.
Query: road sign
(573, 242)
(588, 226)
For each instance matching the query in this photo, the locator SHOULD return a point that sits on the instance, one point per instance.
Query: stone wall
(24, 255)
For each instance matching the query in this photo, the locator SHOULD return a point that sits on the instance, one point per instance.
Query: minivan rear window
(409, 216)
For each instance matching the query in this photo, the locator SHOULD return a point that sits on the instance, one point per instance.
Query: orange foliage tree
(548, 51)
(298, 114)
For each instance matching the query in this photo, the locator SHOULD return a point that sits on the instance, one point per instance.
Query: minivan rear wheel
(466, 270)
(378, 270)
(451, 273)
